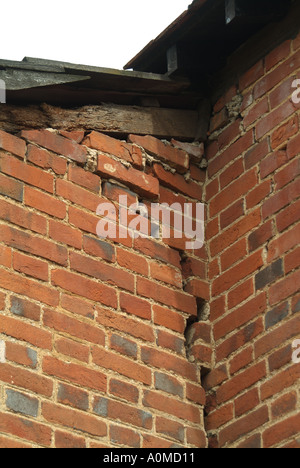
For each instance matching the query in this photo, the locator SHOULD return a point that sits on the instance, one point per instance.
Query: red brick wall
(92, 344)
(99, 340)
(253, 232)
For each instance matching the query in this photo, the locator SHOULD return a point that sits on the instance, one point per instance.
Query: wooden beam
(108, 118)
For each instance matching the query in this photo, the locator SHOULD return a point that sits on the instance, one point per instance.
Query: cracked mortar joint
(234, 106)
(92, 160)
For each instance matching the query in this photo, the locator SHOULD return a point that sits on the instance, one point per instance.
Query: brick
(65, 234)
(241, 316)
(195, 150)
(123, 346)
(293, 147)
(166, 274)
(239, 339)
(171, 429)
(276, 337)
(30, 266)
(276, 315)
(252, 442)
(25, 379)
(246, 402)
(281, 431)
(135, 306)
(21, 355)
(270, 80)
(167, 405)
(197, 173)
(120, 149)
(73, 349)
(277, 55)
(198, 288)
(240, 293)
(178, 300)
(66, 440)
(292, 261)
(175, 157)
(76, 135)
(29, 288)
(241, 382)
(233, 192)
(232, 173)
(288, 216)
(31, 431)
(46, 160)
(283, 405)
(45, 203)
(283, 133)
(178, 182)
(193, 267)
(284, 243)
(260, 236)
(219, 120)
(8, 443)
(195, 393)
(238, 272)
(241, 360)
(77, 195)
(99, 248)
(132, 262)
(211, 189)
(244, 426)
(121, 365)
(113, 192)
(102, 272)
(123, 436)
(287, 175)
(232, 214)
(281, 92)
(72, 396)
(29, 174)
(63, 323)
(280, 381)
(163, 360)
(196, 437)
(34, 245)
(168, 384)
(123, 323)
(22, 217)
(5, 256)
(252, 75)
(20, 403)
(24, 308)
(268, 275)
(272, 162)
(11, 188)
(74, 419)
(280, 358)
(219, 417)
(274, 118)
(281, 199)
(84, 178)
(168, 318)
(261, 192)
(129, 414)
(141, 183)
(56, 143)
(26, 332)
(124, 390)
(229, 134)
(157, 251)
(256, 111)
(232, 152)
(285, 288)
(75, 373)
(84, 221)
(84, 287)
(12, 144)
(77, 306)
(202, 354)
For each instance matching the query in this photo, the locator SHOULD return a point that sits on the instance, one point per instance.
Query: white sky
(104, 33)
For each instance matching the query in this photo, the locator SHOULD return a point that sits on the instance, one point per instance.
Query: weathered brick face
(253, 244)
(92, 330)
(138, 342)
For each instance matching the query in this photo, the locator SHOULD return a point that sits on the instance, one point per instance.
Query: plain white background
(104, 33)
